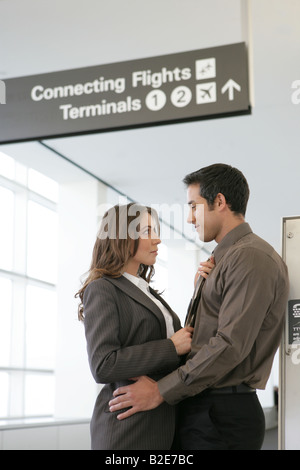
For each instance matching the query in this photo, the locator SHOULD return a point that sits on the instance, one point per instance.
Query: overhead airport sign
(172, 88)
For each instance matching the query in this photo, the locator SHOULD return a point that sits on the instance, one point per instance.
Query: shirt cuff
(173, 389)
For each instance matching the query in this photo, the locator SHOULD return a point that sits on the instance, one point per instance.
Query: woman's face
(148, 241)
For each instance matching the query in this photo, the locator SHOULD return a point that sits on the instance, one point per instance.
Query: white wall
(56, 436)
(78, 202)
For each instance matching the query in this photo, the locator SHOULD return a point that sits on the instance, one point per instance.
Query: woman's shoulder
(100, 285)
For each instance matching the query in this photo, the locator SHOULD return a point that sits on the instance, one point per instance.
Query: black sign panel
(172, 88)
(294, 321)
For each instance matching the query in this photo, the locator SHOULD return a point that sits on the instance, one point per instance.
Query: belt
(210, 392)
(242, 388)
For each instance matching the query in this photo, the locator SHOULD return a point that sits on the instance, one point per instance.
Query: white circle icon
(181, 96)
(155, 100)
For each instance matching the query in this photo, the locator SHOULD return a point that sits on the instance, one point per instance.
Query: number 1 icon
(155, 100)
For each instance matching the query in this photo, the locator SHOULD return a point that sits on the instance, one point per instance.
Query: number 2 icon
(181, 96)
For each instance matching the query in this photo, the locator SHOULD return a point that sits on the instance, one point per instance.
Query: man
(237, 329)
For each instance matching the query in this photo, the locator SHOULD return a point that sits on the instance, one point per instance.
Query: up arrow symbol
(230, 86)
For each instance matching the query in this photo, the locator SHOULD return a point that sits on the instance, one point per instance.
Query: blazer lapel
(135, 293)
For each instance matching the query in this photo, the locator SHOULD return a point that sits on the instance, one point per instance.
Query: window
(5, 330)
(41, 242)
(28, 278)
(4, 393)
(7, 166)
(40, 332)
(7, 232)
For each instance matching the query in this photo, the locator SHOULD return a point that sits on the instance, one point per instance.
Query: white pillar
(78, 206)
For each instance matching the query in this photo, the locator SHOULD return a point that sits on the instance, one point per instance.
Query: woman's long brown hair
(113, 247)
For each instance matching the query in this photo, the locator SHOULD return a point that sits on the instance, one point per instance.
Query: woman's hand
(204, 269)
(182, 340)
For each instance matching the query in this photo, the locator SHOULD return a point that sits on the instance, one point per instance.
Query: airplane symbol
(206, 93)
(205, 68)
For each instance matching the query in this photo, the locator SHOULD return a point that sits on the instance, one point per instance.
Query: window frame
(16, 368)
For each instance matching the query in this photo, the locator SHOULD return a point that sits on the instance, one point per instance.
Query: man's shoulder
(251, 245)
(253, 241)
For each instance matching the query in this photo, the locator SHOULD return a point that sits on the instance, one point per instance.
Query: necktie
(192, 310)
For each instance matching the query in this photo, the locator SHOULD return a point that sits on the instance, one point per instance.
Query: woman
(130, 330)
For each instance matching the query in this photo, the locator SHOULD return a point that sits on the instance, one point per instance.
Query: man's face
(206, 220)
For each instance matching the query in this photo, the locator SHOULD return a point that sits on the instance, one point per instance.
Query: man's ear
(220, 201)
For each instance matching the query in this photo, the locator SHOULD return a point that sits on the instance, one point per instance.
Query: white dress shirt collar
(138, 281)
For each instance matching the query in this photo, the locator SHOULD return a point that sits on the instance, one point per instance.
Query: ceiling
(148, 164)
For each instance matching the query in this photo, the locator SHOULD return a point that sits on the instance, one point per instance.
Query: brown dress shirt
(239, 320)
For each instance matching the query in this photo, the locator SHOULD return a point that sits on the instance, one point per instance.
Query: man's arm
(143, 395)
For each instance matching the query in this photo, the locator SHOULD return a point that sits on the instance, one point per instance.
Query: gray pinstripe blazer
(126, 337)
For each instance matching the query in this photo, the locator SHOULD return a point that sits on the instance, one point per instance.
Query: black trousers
(232, 421)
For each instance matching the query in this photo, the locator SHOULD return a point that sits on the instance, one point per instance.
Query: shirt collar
(230, 239)
(138, 281)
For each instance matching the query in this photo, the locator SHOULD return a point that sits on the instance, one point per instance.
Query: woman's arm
(109, 360)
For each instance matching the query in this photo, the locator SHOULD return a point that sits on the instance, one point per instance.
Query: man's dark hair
(224, 179)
